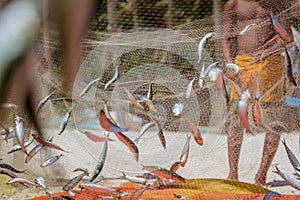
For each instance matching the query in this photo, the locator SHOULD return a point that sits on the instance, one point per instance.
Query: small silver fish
(51, 161)
(33, 152)
(246, 29)
(65, 120)
(143, 129)
(19, 132)
(296, 36)
(41, 182)
(233, 66)
(135, 179)
(294, 161)
(89, 86)
(295, 183)
(209, 68)
(114, 78)
(97, 188)
(202, 44)
(185, 151)
(189, 88)
(201, 77)
(100, 163)
(17, 147)
(150, 91)
(9, 105)
(73, 182)
(177, 109)
(23, 181)
(43, 101)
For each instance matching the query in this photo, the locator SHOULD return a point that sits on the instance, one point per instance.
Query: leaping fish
(43, 101)
(143, 129)
(33, 152)
(175, 166)
(195, 132)
(7, 166)
(185, 151)
(19, 132)
(134, 179)
(114, 78)
(288, 179)
(133, 101)
(127, 142)
(294, 161)
(202, 44)
(22, 181)
(246, 29)
(65, 120)
(107, 125)
(17, 147)
(296, 36)
(189, 88)
(242, 110)
(164, 173)
(279, 29)
(47, 144)
(97, 188)
(100, 163)
(95, 138)
(288, 65)
(51, 160)
(87, 88)
(74, 181)
(160, 133)
(138, 193)
(201, 77)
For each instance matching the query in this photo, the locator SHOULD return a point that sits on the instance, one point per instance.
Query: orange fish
(47, 144)
(196, 133)
(279, 29)
(96, 138)
(107, 125)
(175, 166)
(256, 110)
(164, 173)
(132, 147)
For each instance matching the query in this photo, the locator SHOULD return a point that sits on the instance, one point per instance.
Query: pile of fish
(160, 176)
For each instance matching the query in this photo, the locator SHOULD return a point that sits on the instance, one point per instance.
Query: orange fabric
(260, 77)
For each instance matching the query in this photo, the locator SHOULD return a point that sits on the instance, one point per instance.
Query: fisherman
(261, 72)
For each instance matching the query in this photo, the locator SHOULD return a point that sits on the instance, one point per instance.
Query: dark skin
(237, 15)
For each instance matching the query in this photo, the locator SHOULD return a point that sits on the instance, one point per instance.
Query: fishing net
(148, 48)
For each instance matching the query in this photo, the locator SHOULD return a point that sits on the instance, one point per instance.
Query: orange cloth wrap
(260, 77)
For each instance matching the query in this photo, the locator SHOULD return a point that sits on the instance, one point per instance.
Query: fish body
(201, 77)
(19, 132)
(150, 91)
(164, 173)
(185, 151)
(114, 78)
(96, 138)
(160, 132)
(127, 142)
(189, 88)
(47, 144)
(65, 120)
(196, 133)
(149, 103)
(9, 167)
(295, 183)
(279, 29)
(97, 188)
(138, 193)
(242, 110)
(101, 162)
(177, 109)
(107, 125)
(135, 179)
(41, 182)
(43, 101)
(143, 129)
(33, 152)
(175, 166)
(8, 173)
(22, 181)
(246, 29)
(133, 101)
(73, 182)
(233, 66)
(288, 65)
(107, 113)
(10, 134)
(296, 36)
(202, 44)
(256, 110)
(294, 161)
(17, 147)
(51, 160)
(87, 88)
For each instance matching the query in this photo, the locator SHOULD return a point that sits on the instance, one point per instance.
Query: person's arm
(226, 30)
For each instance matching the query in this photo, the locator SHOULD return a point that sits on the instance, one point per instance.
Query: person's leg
(234, 142)
(272, 140)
